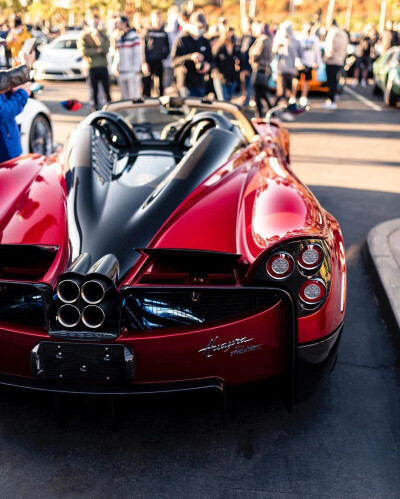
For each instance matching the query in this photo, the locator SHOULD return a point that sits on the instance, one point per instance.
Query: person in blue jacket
(11, 104)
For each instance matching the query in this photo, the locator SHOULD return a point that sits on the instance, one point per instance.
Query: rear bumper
(311, 367)
(313, 364)
(240, 351)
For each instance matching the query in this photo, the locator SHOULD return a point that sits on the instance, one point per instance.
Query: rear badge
(227, 347)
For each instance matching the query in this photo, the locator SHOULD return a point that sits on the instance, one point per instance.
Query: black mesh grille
(103, 159)
(83, 362)
(154, 309)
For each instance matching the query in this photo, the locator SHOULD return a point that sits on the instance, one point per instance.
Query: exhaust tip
(68, 291)
(93, 292)
(68, 315)
(93, 316)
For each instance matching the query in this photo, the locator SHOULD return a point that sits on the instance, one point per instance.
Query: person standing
(311, 58)
(11, 78)
(260, 55)
(227, 63)
(156, 49)
(335, 54)
(288, 51)
(389, 37)
(11, 105)
(94, 45)
(365, 53)
(245, 67)
(192, 57)
(127, 61)
(16, 38)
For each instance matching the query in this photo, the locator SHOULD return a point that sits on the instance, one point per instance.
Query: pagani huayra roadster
(168, 247)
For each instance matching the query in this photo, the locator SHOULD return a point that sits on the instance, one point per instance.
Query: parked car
(387, 76)
(36, 128)
(61, 60)
(180, 253)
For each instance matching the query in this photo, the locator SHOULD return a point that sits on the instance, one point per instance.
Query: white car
(61, 60)
(36, 128)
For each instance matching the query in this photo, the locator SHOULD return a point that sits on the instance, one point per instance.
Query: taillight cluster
(280, 265)
(304, 268)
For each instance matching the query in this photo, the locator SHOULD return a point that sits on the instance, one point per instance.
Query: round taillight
(312, 292)
(280, 265)
(311, 257)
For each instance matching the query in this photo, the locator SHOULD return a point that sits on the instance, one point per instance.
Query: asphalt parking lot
(344, 443)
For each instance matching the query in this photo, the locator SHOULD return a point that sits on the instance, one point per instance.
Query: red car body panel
(175, 355)
(250, 206)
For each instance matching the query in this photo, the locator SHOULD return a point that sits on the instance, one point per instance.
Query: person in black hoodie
(192, 57)
(156, 49)
(245, 67)
(227, 63)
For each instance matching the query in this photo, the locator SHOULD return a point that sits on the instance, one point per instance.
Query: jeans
(261, 93)
(97, 75)
(248, 87)
(197, 92)
(333, 74)
(228, 90)
(156, 71)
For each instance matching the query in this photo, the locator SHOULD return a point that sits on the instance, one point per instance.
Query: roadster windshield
(154, 120)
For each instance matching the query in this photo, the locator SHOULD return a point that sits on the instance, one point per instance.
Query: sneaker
(292, 100)
(329, 105)
(285, 116)
(363, 83)
(354, 83)
(303, 101)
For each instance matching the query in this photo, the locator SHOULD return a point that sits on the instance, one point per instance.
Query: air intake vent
(189, 267)
(103, 159)
(24, 304)
(24, 262)
(145, 308)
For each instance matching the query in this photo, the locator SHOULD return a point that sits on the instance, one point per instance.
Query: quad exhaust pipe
(93, 316)
(69, 290)
(94, 291)
(82, 290)
(69, 315)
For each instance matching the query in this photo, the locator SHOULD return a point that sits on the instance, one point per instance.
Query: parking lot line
(361, 98)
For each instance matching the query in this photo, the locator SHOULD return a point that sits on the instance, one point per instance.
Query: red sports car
(168, 247)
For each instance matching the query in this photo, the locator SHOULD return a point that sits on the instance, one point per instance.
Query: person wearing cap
(192, 57)
(127, 61)
(17, 37)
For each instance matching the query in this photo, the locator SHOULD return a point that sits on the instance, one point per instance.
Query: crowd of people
(190, 57)
(187, 56)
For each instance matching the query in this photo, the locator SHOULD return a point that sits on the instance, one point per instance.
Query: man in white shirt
(311, 58)
(128, 60)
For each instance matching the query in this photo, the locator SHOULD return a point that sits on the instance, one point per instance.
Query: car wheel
(376, 90)
(41, 136)
(389, 96)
